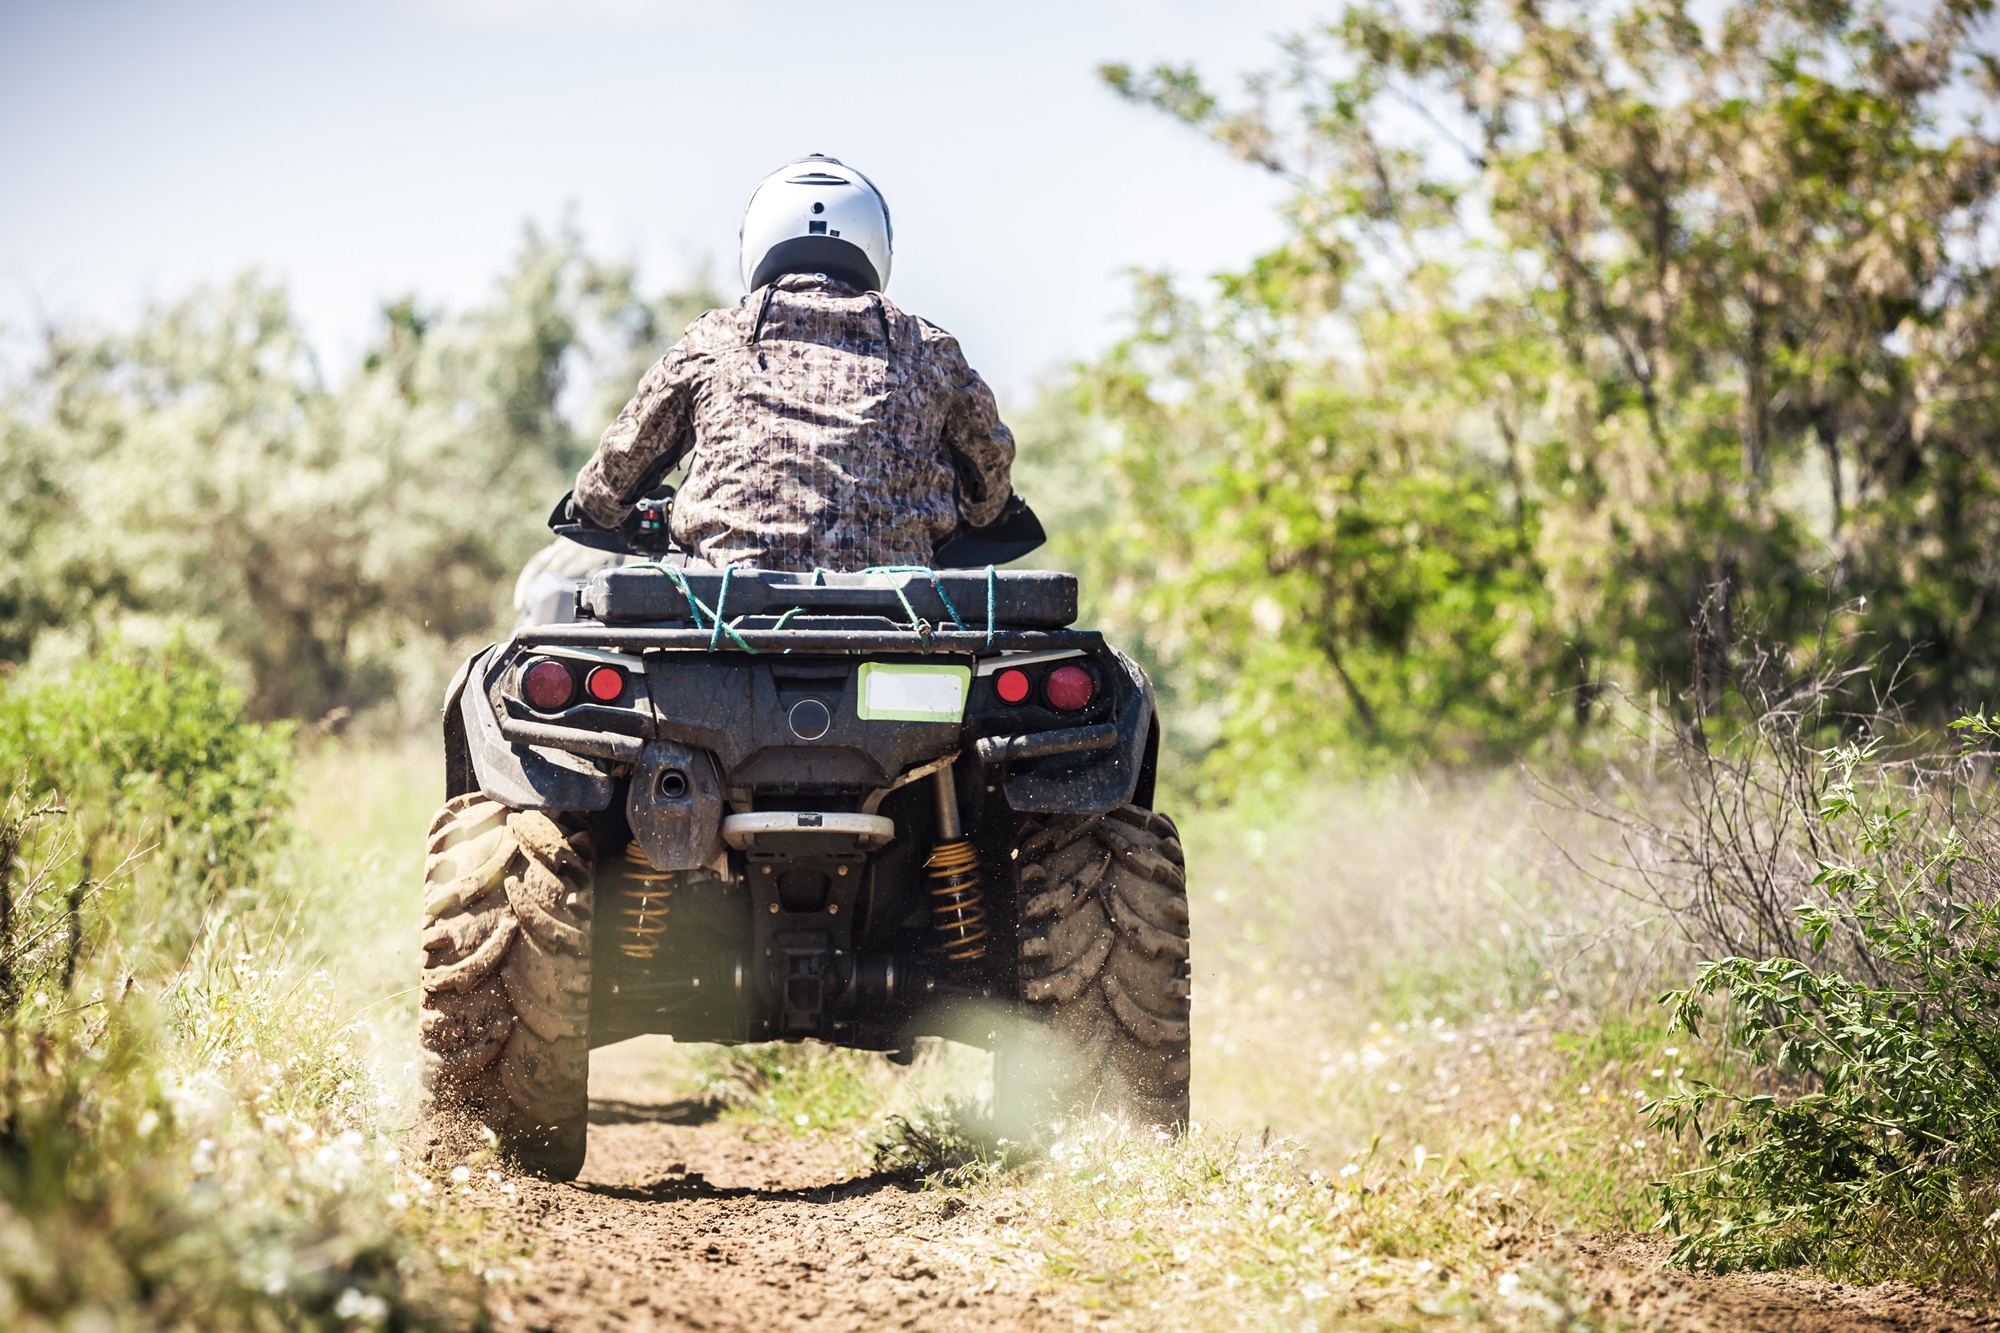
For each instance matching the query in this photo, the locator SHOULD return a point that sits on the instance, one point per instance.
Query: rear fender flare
(522, 777)
(458, 775)
(1099, 780)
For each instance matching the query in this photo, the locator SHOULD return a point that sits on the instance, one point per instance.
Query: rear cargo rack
(649, 594)
(638, 638)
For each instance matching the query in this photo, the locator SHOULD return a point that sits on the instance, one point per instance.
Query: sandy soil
(679, 1222)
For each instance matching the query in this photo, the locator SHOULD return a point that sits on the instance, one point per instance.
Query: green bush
(949, 1145)
(189, 1138)
(152, 747)
(335, 532)
(1869, 1143)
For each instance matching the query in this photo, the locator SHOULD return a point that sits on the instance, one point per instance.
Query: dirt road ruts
(680, 1221)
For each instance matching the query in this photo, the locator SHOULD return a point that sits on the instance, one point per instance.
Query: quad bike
(734, 805)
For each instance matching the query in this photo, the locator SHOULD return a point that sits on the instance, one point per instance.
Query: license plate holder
(913, 692)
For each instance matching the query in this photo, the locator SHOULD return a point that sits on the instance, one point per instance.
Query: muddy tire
(1103, 967)
(506, 985)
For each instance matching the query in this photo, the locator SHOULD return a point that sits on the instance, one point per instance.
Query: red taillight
(547, 686)
(1070, 688)
(1012, 685)
(605, 684)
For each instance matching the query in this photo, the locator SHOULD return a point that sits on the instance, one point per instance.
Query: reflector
(605, 683)
(1012, 685)
(547, 686)
(1069, 688)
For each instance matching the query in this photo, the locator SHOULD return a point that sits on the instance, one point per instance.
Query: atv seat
(650, 594)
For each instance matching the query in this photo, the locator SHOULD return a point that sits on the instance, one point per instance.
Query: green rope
(717, 627)
(722, 600)
(917, 622)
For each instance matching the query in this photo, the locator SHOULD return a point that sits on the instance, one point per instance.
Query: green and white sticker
(894, 692)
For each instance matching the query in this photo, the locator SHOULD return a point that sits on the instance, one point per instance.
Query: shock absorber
(642, 910)
(957, 902)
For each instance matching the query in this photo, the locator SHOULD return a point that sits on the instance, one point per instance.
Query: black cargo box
(1022, 598)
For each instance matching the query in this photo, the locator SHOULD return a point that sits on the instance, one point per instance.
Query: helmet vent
(818, 178)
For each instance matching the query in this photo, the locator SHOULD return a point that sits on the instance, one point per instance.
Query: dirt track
(679, 1222)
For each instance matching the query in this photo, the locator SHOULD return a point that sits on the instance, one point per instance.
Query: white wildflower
(356, 1304)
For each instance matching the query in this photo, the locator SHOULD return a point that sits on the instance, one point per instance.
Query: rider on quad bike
(791, 769)
(823, 428)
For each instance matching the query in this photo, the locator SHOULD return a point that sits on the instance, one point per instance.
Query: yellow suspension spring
(957, 900)
(642, 911)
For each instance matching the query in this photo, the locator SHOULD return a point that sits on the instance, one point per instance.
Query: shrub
(334, 533)
(1869, 1144)
(950, 1144)
(150, 749)
(189, 1138)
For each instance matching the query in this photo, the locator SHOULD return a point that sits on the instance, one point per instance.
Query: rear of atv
(743, 806)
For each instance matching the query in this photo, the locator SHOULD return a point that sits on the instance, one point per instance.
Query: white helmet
(817, 215)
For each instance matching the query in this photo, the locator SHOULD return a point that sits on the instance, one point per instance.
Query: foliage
(1431, 1026)
(152, 746)
(1873, 1147)
(1220, 1232)
(199, 1145)
(332, 537)
(1602, 333)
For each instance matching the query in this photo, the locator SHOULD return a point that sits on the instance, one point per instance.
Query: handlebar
(649, 532)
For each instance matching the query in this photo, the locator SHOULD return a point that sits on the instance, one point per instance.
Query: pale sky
(364, 150)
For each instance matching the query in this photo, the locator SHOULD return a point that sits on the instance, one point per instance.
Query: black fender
(458, 778)
(1090, 782)
(525, 777)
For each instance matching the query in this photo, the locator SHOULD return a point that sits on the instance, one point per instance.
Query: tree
(1603, 332)
(335, 540)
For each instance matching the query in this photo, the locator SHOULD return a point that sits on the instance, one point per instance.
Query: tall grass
(1424, 1039)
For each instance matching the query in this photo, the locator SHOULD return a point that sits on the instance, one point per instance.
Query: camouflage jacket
(821, 427)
